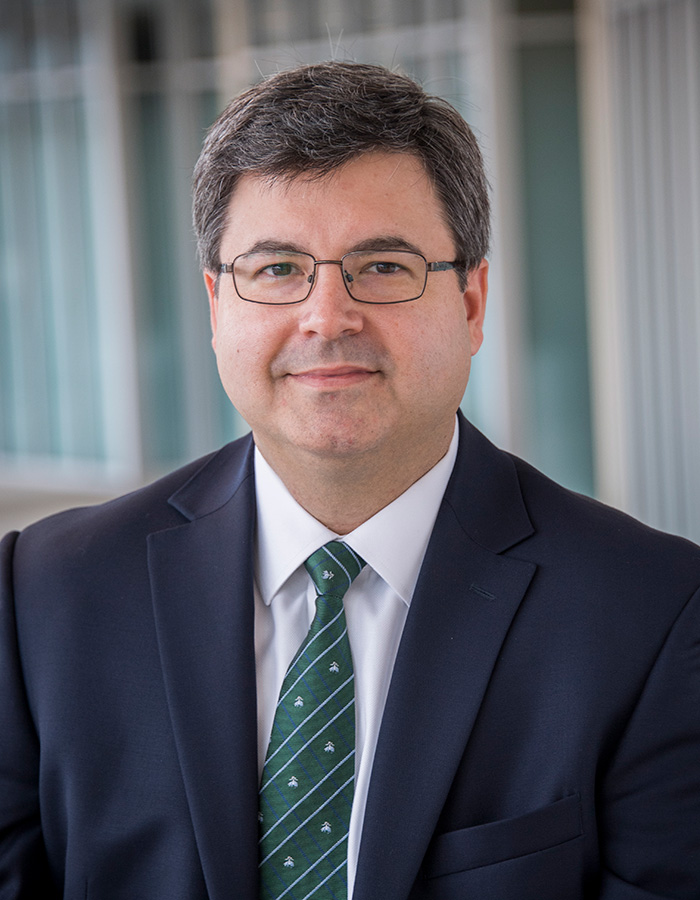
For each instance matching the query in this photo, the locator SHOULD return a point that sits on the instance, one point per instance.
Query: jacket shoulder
(127, 519)
(576, 527)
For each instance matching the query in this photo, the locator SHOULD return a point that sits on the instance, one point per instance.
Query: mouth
(333, 377)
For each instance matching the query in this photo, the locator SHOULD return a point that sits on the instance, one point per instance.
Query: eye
(384, 267)
(278, 270)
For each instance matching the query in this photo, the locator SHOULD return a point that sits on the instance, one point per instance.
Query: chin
(338, 448)
(340, 443)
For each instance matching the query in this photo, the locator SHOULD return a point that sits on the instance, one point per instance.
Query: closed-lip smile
(333, 376)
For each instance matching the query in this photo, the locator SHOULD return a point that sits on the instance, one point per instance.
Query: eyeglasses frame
(437, 266)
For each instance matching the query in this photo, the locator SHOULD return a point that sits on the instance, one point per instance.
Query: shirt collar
(393, 542)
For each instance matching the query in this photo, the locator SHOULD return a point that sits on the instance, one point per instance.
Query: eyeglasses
(278, 277)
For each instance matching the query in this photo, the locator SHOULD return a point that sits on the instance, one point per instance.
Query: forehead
(377, 194)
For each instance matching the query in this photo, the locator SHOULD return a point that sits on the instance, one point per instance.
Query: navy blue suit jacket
(541, 739)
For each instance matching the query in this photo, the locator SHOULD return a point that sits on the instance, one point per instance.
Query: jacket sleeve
(24, 870)
(650, 828)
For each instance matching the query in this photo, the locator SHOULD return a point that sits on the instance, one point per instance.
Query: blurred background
(589, 117)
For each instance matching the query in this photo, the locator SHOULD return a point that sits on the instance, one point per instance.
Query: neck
(343, 493)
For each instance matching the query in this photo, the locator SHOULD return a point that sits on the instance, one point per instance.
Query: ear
(210, 281)
(475, 303)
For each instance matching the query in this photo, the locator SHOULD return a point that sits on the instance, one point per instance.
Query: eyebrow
(385, 242)
(271, 246)
(378, 242)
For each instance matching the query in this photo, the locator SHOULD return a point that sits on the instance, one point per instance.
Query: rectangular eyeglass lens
(273, 276)
(385, 276)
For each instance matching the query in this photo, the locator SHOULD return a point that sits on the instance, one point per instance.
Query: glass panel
(38, 33)
(201, 28)
(55, 33)
(279, 21)
(27, 391)
(16, 28)
(157, 323)
(408, 12)
(67, 286)
(50, 389)
(560, 435)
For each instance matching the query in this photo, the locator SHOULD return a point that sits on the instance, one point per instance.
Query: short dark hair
(313, 119)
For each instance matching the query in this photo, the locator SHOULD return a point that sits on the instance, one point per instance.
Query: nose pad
(313, 277)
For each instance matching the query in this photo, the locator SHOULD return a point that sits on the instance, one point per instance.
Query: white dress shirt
(393, 543)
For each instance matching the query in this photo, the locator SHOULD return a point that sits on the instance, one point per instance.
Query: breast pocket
(533, 855)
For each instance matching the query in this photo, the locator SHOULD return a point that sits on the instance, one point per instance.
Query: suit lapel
(202, 587)
(462, 608)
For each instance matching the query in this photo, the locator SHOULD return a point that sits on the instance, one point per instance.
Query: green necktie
(308, 780)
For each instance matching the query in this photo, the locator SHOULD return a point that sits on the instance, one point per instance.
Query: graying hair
(313, 119)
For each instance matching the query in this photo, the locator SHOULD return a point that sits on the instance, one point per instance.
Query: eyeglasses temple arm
(443, 266)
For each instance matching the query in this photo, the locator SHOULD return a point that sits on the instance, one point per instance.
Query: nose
(329, 310)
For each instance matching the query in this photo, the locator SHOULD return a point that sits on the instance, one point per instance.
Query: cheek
(248, 341)
(445, 358)
(441, 346)
(239, 354)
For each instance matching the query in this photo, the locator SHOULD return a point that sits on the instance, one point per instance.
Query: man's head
(314, 119)
(356, 368)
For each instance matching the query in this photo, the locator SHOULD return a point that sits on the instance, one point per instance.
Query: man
(520, 693)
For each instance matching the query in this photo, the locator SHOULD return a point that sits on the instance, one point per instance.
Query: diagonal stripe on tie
(346, 709)
(301, 825)
(308, 778)
(313, 661)
(314, 888)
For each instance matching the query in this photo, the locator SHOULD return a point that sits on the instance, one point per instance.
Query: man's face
(331, 378)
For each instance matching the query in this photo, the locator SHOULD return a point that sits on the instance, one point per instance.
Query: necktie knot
(333, 568)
